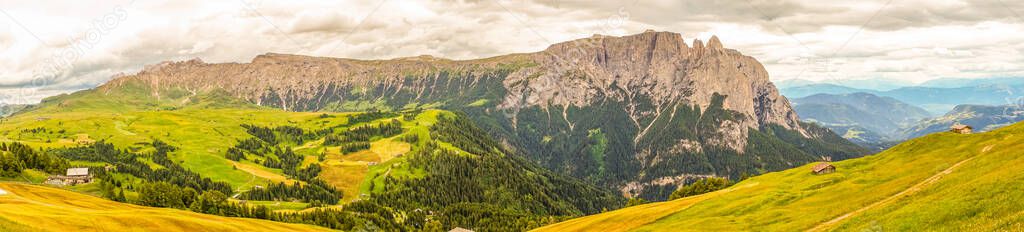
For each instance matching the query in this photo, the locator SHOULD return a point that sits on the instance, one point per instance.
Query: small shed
(823, 168)
(460, 229)
(961, 129)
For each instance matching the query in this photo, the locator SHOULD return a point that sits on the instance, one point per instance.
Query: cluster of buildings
(73, 176)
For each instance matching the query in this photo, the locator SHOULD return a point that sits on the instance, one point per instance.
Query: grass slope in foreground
(35, 208)
(943, 181)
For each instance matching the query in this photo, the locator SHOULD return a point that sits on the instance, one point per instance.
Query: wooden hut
(961, 129)
(823, 168)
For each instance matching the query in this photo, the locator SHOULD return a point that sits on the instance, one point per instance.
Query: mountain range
(640, 114)
(937, 100)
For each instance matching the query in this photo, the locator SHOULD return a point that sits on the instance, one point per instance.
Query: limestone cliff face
(658, 65)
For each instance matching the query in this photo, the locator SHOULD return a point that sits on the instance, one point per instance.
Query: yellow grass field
(36, 208)
(940, 182)
(348, 172)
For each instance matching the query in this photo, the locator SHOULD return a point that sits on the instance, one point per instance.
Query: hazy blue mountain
(863, 118)
(790, 83)
(939, 100)
(875, 84)
(980, 117)
(808, 90)
(7, 110)
(966, 82)
(935, 100)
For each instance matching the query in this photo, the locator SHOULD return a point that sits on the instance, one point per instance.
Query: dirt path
(913, 189)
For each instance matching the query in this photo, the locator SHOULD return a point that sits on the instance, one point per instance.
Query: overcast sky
(51, 47)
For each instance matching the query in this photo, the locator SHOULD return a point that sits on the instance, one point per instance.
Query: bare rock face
(655, 64)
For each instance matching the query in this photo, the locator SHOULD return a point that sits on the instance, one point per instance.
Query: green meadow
(944, 182)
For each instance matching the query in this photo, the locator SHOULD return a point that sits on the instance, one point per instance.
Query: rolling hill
(943, 182)
(36, 208)
(980, 117)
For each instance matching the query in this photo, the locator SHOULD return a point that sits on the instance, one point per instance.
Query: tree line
(16, 157)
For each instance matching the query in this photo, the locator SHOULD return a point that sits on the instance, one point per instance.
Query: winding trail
(913, 189)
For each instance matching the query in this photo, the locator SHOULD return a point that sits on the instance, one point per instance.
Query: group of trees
(369, 116)
(284, 134)
(315, 191)
(366, 132)
(16, 157)
(701, 186)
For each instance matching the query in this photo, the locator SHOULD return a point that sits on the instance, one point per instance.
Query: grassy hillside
(415, 169)
(35, 208)
(943, 181)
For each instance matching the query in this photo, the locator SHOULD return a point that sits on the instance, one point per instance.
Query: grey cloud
(787, 35)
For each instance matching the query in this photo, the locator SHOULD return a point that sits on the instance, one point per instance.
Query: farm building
(460, 229)
(74, 176)
(960, 129)
(823, 168)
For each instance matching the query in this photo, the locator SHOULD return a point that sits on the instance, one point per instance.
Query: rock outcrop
(655, 64)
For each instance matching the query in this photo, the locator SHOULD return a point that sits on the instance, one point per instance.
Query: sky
(53, 47)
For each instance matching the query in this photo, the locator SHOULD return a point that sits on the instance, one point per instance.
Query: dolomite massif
(640, 114)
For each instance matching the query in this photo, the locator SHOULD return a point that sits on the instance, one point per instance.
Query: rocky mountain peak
(697, 44)
(658, 66)
(713, 43)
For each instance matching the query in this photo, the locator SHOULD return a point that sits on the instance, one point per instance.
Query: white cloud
(67, 46)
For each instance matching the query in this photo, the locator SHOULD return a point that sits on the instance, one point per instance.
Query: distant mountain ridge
(863, 118)
(967, 82)
(8, 110)
(980, 117)
(936, 100)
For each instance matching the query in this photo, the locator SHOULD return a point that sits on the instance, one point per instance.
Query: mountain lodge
(960, 129)
(74, 176)
(823, 168)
